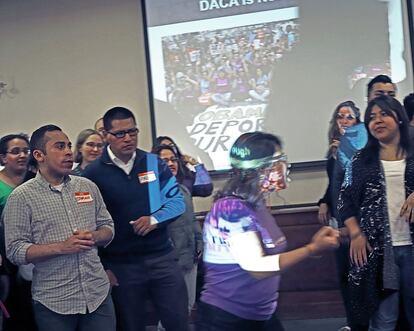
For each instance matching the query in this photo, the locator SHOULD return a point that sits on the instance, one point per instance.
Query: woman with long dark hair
(370, 205)
(193, 175)
(346, 136)
(244, 249)
(345, 125)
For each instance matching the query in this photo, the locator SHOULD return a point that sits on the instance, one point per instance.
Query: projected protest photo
(224, 76)
(223, 68)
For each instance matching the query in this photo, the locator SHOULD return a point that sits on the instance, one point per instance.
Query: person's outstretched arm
(248, 251)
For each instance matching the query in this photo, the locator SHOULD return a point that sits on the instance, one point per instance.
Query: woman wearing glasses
(346, 136)
(14, 157)
(244, 249)
(194, 175)
(88, 148)
(345, 126)
(185, 231)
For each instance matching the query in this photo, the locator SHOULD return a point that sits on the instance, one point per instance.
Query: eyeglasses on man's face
(121, 134)
(18, 151)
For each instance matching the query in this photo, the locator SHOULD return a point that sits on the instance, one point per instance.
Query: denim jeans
(102, 319)
(386, 316)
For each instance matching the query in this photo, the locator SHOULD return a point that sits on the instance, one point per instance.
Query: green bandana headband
(257, 163)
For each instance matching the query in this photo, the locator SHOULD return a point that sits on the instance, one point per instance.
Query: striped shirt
(37, 213)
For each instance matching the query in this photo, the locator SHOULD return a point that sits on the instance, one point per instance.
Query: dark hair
(393, 108)
(384, 79)
(116, 113)
(38, 139)
(4, 142)
(181, 167)
(333, 132)
(158, 142)
(409, 106)
(252, 147)
(246, 155)
(82, 137)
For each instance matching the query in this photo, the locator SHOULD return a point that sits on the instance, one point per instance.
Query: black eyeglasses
(121, 134)
(171, 159)
(18, 151)
(348, 117)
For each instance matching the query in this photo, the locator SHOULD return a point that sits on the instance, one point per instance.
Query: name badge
(146, 177)
(83, 197)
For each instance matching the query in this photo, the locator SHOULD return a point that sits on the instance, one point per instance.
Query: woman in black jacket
(372, 207)
(346, 135)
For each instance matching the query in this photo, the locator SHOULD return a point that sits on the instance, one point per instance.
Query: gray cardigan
(185, 234)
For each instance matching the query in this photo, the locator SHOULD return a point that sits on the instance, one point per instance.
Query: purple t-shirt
(227, 286)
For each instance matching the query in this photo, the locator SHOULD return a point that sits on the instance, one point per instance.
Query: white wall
(71, 60)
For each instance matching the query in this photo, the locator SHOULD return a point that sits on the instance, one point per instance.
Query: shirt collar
(118, 161)
(43, 182)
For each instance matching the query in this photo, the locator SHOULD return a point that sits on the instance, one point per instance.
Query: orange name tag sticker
(83, 197)
(146, 177)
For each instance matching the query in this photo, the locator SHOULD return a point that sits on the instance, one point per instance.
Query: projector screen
(220, 68)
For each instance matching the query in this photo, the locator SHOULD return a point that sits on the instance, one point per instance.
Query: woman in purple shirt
(244, 247)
